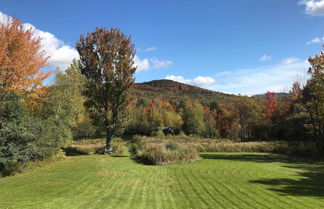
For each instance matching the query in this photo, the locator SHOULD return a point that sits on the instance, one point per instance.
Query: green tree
(313, 96)
(107, 63)
(193, 117)
(20, 134)
(64, 103)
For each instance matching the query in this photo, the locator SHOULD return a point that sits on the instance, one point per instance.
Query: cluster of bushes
(24, 137)
(36, 127)
(162, 153)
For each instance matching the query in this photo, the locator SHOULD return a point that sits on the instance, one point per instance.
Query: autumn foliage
(21, 59)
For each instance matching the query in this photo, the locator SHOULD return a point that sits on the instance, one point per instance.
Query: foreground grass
(240, 180)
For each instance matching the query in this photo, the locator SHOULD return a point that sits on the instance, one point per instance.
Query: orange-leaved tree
(21, 59)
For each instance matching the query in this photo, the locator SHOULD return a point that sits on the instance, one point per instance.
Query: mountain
(175, 91)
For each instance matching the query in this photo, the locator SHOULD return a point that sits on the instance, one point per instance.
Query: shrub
(166, 153)
(10, 168)
(23, 138)
(118, 147)
(159, 134)
(172, 145)
(137, 143)
(140, 141)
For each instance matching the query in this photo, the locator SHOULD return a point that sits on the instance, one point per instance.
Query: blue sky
(246, 47)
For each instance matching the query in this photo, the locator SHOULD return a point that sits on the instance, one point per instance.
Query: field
(219, 180)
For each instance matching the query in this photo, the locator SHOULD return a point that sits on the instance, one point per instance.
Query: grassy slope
(218, 181)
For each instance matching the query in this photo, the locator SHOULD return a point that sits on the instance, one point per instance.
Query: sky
(240, 47)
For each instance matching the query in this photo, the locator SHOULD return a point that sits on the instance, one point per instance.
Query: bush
(172, 146)
(23, 138)
(137, 143)
(118, 147)
(159, 134)
(140, 141)
(166, 153)
(10, 168)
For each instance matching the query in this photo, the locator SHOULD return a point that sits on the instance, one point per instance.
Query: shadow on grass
(311, 183)
(119, 155)
(310, 180)
(71, 151)
(255, 157)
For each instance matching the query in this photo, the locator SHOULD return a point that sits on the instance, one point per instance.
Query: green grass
(222, 180)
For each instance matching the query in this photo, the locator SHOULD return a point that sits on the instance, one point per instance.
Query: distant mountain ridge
(174, 91)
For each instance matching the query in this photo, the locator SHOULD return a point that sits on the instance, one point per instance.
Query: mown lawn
(240, 180)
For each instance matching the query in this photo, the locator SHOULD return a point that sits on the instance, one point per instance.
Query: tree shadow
(119, 155)
(309, 181)
(72, 151)
(255, 157)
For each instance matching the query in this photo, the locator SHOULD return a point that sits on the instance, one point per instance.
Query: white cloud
(277, 78)
(61, 55)
(313, 7)
(142, 65)
(156, 64)
(290, 60)
(315, 41)
(259, 80)
(5, 19)
(265, 58)
(198, 81)
(180, 79)
(149, 49)
(202, 80)
(149, 64)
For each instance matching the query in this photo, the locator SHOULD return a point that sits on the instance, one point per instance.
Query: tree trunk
(108, 148)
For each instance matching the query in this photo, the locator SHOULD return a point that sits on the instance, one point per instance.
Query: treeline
(242, 118)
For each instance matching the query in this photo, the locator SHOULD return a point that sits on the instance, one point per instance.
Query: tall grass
(95, 146)
(294, 148)
(162, 153)
(85, 147)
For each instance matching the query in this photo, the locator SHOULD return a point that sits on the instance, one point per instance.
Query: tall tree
(21, 59)
(313, 95)
(270, 105)
(107, 63)
(193, 117)
(247, 112)
(64, 99)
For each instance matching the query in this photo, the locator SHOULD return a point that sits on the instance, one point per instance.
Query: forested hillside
(175, 91)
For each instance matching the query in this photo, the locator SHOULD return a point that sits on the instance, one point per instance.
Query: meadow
(218, 180)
